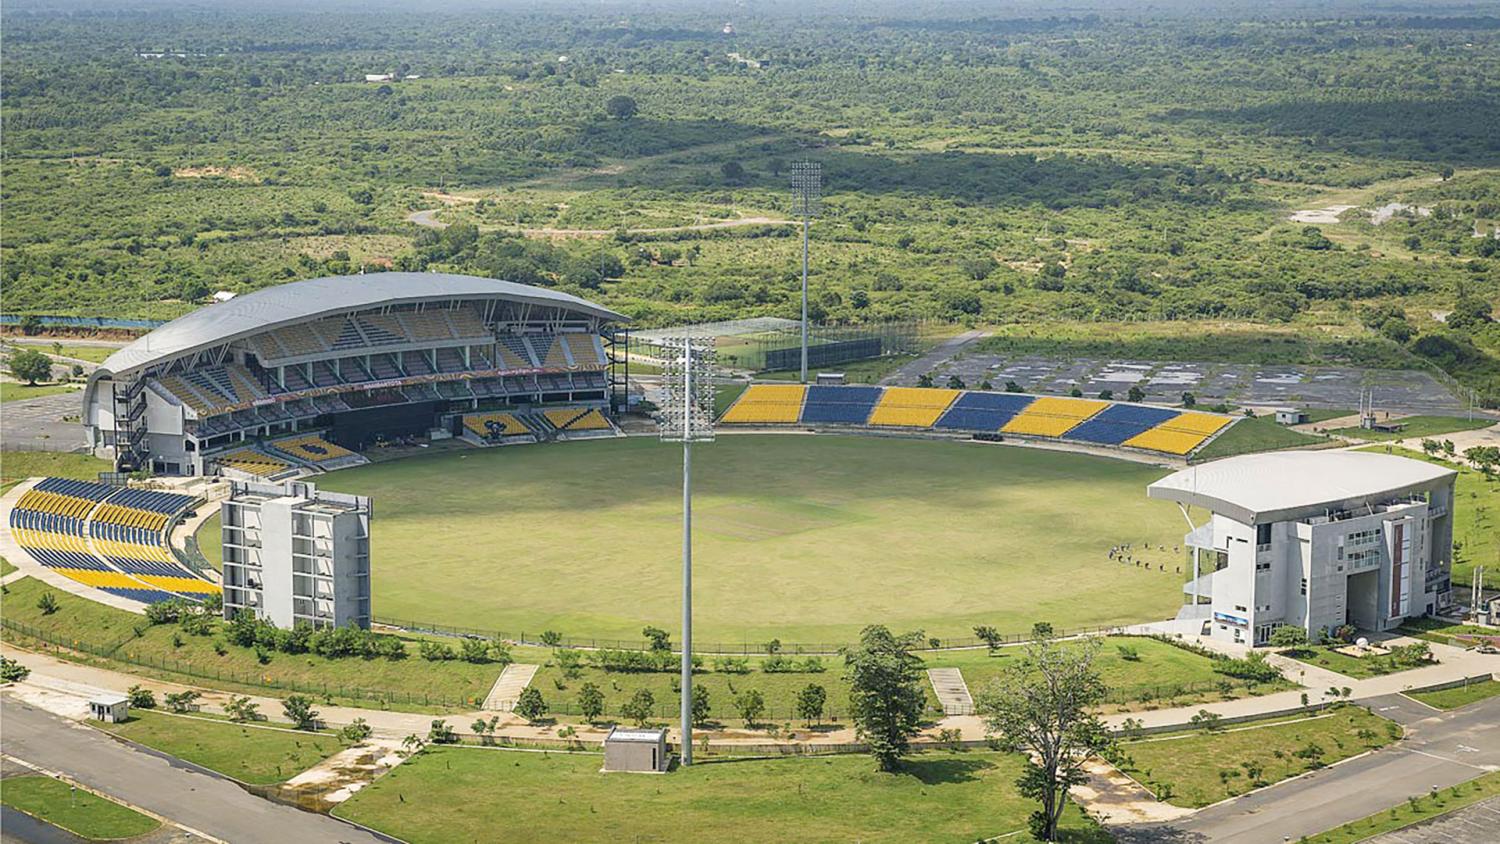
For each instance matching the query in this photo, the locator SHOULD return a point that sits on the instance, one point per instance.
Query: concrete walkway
(941, 353)
(951, 691)
(508, 687)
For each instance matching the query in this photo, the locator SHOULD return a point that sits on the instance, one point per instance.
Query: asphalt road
(1441, 749)
(941, 353)
(197, 799)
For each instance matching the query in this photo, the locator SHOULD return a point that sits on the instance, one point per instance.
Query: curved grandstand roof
(1272, 487)
(300, 301)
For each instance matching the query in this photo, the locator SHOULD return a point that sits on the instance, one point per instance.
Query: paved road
(1441, 749)
(1478, 824)
(189, 795)
(941, 353)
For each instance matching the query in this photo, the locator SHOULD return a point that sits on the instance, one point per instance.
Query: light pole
(807, 194)
(687, 417)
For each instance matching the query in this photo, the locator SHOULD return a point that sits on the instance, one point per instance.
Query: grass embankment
(1476, 519)
(79, 812)
(1458, 696)
(1358, 667)
(1416, 426)
(805, 539)
(1194, 769)
(1416, 810)
(457, 794)
(1161, 674)
(109, 638)
(1254, 434)
(210, 538)
(12, 391)
(726, 395)
(93, 354)
(16, 466)
(251, 754)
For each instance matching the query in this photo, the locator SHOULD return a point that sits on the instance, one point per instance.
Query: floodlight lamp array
(687, 410)
(807, 188)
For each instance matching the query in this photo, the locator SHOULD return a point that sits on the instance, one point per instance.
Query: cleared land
(255, 755)
(1459, 696)
(461, 794)
(16, 466)
(1198, 768)
(803, 538)
(1417, 426)
(1252, 435)
(79, 812)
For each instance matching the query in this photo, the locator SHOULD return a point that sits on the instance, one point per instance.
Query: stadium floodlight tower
(807, 195)
(687, 416)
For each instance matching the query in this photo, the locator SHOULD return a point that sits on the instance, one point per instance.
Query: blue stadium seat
(840, 405)
(977, 411)
(1117, 423)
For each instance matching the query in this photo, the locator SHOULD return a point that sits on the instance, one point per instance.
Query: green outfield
(805, 538)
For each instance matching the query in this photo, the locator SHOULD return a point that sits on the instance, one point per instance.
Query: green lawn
(725, 395)
(251, 754)
(1405, 814)
(806, 539)
(1163, 672)
(1443, 632)
(77, 811)
(1260, 433)
(463, 794)
(18, 465)
(12, 391)
(1194, 769)
(1358, 667)
(210, 537)
(1418, 426)
(6, 567)
(1458, 696)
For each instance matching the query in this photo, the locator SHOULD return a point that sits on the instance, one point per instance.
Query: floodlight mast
(687, 416)
(807, 191)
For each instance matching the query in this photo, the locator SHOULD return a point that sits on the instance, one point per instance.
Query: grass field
(1260, 433)
(799, 537)
(1458, 696)
(1476, 519)
(462, 794)
(1197, 768)
(210, 537)
(1417, 426)
(79, 812)
(13, 391)
(1406, 814)
(1358, 667)
(16, 466)
(250, 754)
(6, 567)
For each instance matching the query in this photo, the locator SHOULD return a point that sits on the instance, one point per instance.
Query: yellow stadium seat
(1180, 434)
(180, 584)
(1052, 416)
(912, 407)
(767, 404)
(509, 424)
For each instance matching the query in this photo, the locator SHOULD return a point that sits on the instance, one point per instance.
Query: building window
(1262, 537)
(1304, 586)
(1262, 565)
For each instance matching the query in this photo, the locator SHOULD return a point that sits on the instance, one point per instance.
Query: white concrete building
(293, 554)
(1316, 540)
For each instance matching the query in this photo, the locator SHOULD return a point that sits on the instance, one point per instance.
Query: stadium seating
(514, 353)
(911, 407)
(313, 449)
(253, 462)
(1118, 423)
(1052, 416)
(584, 349)
(505, 423)
(976, 411)
(1180, 434)
(767, 404)
(549, 350)
(839, 405)
(576, 419)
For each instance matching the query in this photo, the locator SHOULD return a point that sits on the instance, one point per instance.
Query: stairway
(951, 690)
(508, 687)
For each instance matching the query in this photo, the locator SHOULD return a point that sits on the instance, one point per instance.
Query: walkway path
(197, 799)
(941, 353)
(951, 690)
(508, 686)
(428, 219)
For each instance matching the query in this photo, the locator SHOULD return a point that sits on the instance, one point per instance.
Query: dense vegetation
(982, 163)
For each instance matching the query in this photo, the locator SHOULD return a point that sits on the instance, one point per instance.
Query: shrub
(640, 707)
(436, 652)
(181, 701)
(732, 665)
(530, 704)
(141, 697)
(47, 603)
(440, 733)
(12, 671)
(1129, 653)
(299, 710)
(355, 731)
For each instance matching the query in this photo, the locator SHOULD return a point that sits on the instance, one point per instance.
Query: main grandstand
(1085, 421)
(303, 376)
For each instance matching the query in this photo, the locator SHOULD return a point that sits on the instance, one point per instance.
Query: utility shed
(637, 750)
(111, 709)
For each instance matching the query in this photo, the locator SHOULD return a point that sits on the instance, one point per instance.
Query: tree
(241, 708)
(701, 706)
(955, 382)
(181, 701)
(1013, 387)
(485, 729)
(1288, 636)
(640, 707)
(1445, 173)
(438, 732)
(885, 692)
(298, 709)
(1189, 400)
(658, 639)
(590, 702)
(750, 703)
(355, 731)
(810, 702)
(620, 107)
(989, 635)
(47, 603)
(141, 697)
(530, 704)
(1135, 394)
(31, 366)
(732, 171)
(12, 671)
(1040, 706)
(924, 380)
(1042, 630)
